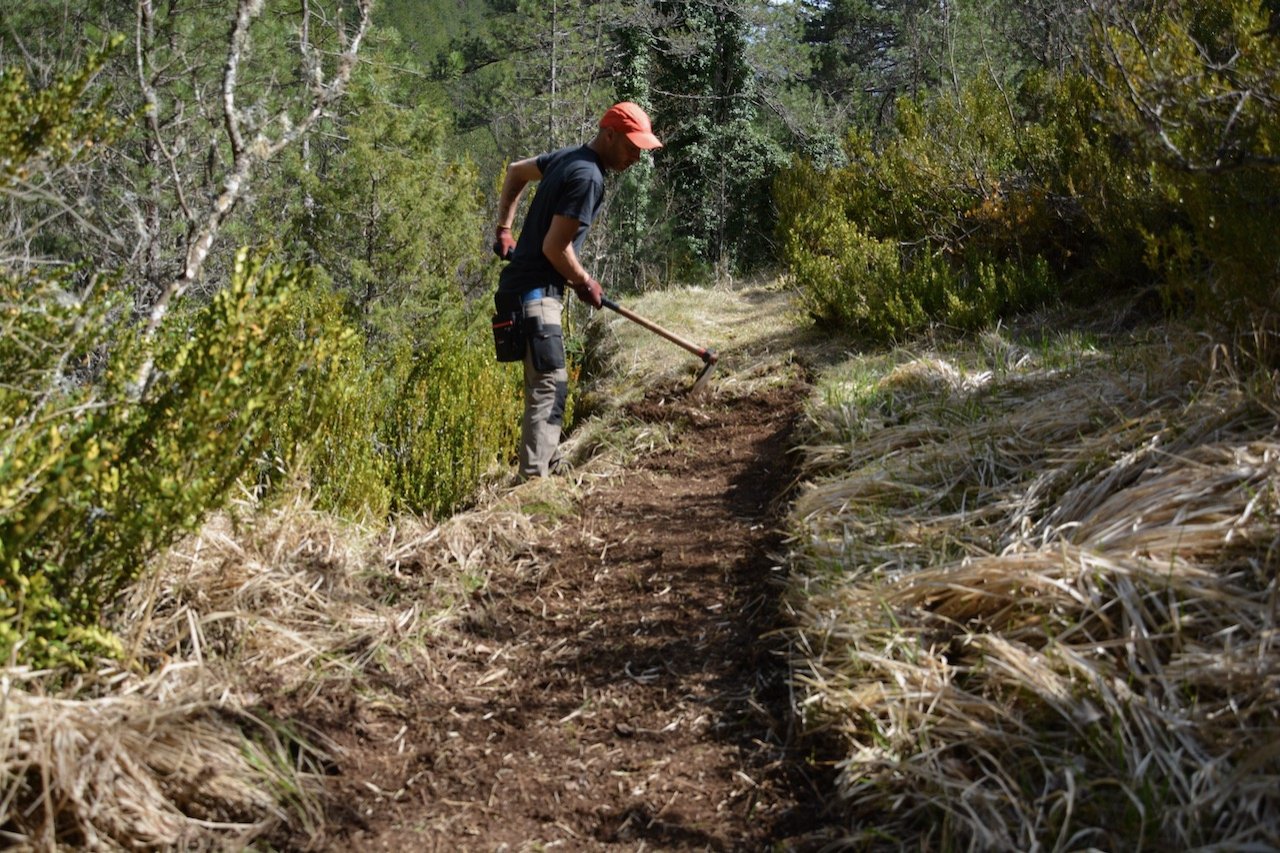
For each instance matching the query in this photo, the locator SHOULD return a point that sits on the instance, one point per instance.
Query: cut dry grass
(1039, 606)
(140, 770)
(177, 750)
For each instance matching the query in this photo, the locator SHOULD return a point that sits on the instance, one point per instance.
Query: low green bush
(1153, 162)
(96, 478)
(454, 413)
(927, 226)
(95, 481)
(402, 424)
(331, 414)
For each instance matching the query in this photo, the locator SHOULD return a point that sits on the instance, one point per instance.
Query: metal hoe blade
(700, 384)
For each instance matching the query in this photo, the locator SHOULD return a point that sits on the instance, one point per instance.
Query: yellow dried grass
(1079, 654)
(173, 753)
(136, 770)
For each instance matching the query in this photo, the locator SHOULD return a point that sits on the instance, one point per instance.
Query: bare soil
(625, 688)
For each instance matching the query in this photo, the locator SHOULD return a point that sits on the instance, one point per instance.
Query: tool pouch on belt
(546, 344)
(508, 327)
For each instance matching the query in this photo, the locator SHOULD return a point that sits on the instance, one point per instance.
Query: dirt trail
(621, 692)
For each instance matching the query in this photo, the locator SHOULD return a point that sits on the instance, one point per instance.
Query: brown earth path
(620, 689)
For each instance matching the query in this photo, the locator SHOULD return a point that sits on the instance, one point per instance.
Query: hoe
(708, 357)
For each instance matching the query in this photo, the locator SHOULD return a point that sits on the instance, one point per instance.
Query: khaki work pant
(546, 388)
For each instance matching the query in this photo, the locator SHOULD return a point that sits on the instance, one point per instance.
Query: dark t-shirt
(572, 185)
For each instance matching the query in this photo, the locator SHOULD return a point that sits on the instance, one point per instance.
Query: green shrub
(396, 426)
(845, 276)
(95, 482)
(936, 224)
(96, 479)
(1152, 162)
(41, 129)
(410, 409)
(1196, 91)
(454, 414)
(330, 418)
(396, 405)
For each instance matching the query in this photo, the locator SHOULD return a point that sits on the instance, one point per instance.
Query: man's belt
(551, 291)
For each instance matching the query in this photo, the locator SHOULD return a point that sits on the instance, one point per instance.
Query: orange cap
(628, 119)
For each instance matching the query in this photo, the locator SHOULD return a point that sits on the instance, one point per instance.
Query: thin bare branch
(144, 39)
(250, 154)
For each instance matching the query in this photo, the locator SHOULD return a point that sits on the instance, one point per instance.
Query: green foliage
(410, 410)
(330, 418)
(1196, 93)
(375, 428)
(1152, 162)
(94, 481)
(717, 162)
(454, 413)
(867, 56)
(390, 217)
(364, 375)
(929, 226)
(47, 127)
(846, 275)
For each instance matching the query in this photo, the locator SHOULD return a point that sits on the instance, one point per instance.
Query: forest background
(245, 244)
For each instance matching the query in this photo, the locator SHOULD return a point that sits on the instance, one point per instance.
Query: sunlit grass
(283, 599)
(1034, 588)
(760, 341)
(753, 329)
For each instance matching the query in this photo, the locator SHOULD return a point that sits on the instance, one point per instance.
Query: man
(545, 260)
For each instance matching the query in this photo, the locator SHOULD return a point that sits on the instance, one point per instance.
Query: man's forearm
(565, 260)
(557, 247)
(507, 201)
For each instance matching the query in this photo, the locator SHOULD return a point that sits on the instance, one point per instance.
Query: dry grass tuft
(136, 769)
(1039, 607)
(279, 603)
